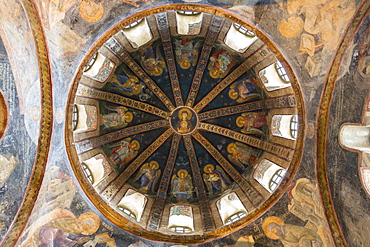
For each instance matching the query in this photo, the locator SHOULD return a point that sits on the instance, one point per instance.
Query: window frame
(282, 72)
(294, 127)
(273, 184)
(91, 62)
(243, 30)
(87, 172)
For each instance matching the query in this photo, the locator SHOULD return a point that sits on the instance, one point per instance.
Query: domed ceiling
(185, 124)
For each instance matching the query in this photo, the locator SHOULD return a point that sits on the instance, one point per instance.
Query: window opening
(230, 208)
(294, 127)
(126, 211)
(269, 174)
(244, 30)
(74, 117)
(91, 62)
(133, 204)
(281, 72)
(235, 217)
(134, 24)
(87, 172)
(188, 12)
(276, 179)
(181, 219)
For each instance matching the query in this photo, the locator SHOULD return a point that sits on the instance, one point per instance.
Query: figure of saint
(215, 179)
(241, 154)
(182, 186)
(291, 235)
(124, 151)
(127, 85)
(148, 175)
(220, 63)
(184, 125)
(152, 61)
(243, 91)
(186, 52)
(251, 121)
(118, 119)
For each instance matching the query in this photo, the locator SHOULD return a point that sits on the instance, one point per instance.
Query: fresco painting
(63, 217)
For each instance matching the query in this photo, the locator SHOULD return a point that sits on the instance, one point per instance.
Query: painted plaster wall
(308, 32)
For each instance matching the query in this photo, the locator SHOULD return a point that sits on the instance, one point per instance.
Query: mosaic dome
(184, 124)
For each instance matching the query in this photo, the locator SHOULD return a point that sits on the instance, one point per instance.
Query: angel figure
(118, 119)
(127, 85)
(187, 52)
(149, 174)
(152, 61)
(241, 154)
(251, 121)
(124, 151)
(215, 179)
(182, 186)
(244, 90)
(220, 63)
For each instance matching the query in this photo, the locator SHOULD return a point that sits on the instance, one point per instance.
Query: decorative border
(322, 123)
(46, 125)
(137, 230)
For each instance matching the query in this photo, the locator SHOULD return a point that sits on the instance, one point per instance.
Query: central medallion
(184, 120)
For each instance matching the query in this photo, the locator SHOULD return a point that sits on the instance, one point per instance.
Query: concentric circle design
(181, 135)
(184, 120)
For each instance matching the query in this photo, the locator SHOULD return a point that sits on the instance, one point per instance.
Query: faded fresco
(17, 149)
(309, 34)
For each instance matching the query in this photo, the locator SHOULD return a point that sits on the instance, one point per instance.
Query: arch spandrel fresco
(20, 120)
(70, 29)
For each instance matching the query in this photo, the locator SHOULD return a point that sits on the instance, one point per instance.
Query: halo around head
(266, 223)
(205, 169)
(231, 147)
(187, 111)
(87, 219)
(128, 116)
(182, 171)
(154, 164)
(135, 145)
(240, 121)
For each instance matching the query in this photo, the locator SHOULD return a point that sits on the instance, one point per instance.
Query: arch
(138, 33)
(231, 208)
(274, 77)
(181, 219)
(133, 204)
(269, 175)
(239, 38)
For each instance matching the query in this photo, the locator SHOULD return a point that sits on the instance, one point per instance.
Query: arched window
(274, 77)
(281, 72)
(188, 12)
(138, 33)
(127, 211)
(96, 168)
(276, 179)
(235, 217)
(269, 174)
(239, 38)
(244, 30)
(189, 22)
(91, 62)
(132, 204)
(181, 219)
(87, 172)
(85, 118)
(99, 68)
(180, 229)
(230, 208)
(285, 126)
(294, 126)
(74, 117)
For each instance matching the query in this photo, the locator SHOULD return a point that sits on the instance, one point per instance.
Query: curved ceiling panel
(184, 124)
